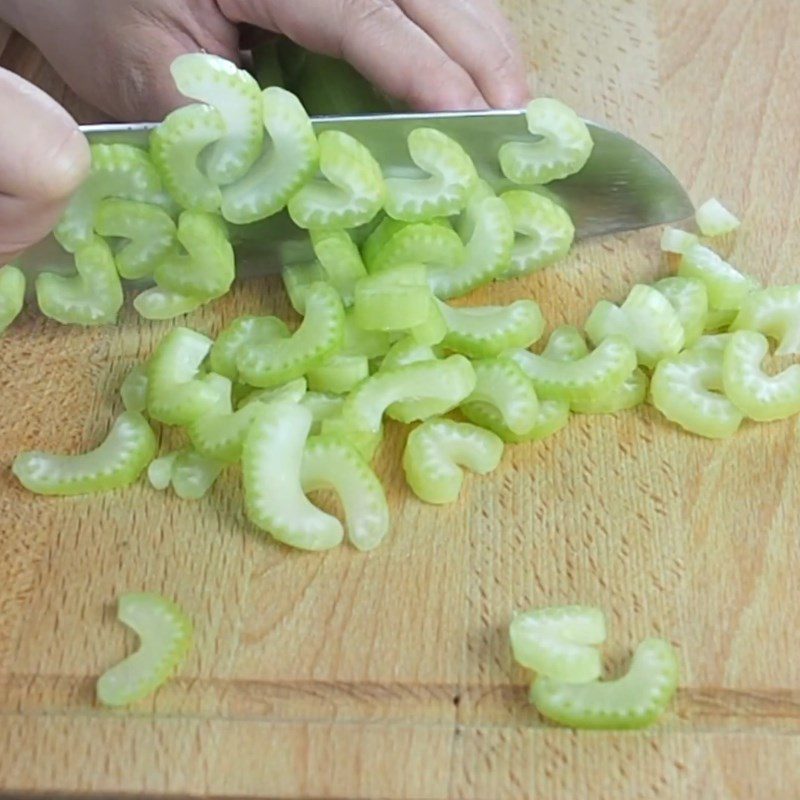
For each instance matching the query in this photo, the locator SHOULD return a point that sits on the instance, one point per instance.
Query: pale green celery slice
(298, 278)
(134, 389)
(566, 343)
(633, 701)
(560, 642)
(272, 459)
(647, 319)
(630, 394)
(595, 375)
(395, 299)
(220, 436)
(760, 396)
(91, 297)
(714, 219)
(445, 190)
(287, 162)
(677, 241)
(290, 392)
(160, 304)
(117, 462)
(689, 298)
(563, 147)
(393, 244)
(330, 462)
(714, 343)
(687, 388)
(12, 294)
(727, 287)
(235, 94)
(544, 232)
(351, 193)
(338, 373)
(339, 258)
(437, 450)
(193, 474)
(175, 147)
(406, 351)
(432, 330)
(366, 442)
(177, 391)
(241, 334)
(118, 170)
(358, 342)
(148, 231)
(719, 319)
(775, 312)
(551, 417)
(159, 472)
(165, 635)
(323, 406)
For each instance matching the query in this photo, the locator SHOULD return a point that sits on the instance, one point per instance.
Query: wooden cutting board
(388, 675)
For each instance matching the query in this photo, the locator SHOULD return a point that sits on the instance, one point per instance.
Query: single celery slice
(117, 462)
(242, 334)
(340, 260)
(544, 232)
(437, 450)
(358, 342)
(281, 360)
(337, 425)
(552, 416)
(12, 295)
(235, 94)
(432, 330)
(287, 162)
(290, 392)
(352, 192)
(175, 147)
(393, 244)
(775, 312)
(563, 148)
(330, 462)
(633, 701)
(165, 635)
(118, 170)
(687, 390)
(713, 343)
(646, 319)
(689, 298)
(298, 279)
(719, 319)
(323, 406)
(566, 343)
(560, 642)
(134, 389)
(714, 219)
(147, 229)
(677, 241)
(395, 299)
(272, 460)
(444, 192)
(338, 373)
(760, 396)
(158, 303)
(630, 394)
(92, 297)
(726, 286)
(406, 351)
(220, 436)
(193, 474)
(159, 472)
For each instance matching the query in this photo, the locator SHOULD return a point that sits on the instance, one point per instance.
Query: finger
(24, 222)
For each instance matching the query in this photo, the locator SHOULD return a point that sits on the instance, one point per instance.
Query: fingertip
(70, 164)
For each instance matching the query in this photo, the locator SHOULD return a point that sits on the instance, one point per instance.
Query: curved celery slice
(158, 303)
(726, 286)
(288, 161)
(92, 297)
(148, 230)
(159, 471)
(117, 462)
(406, 351)
(298, 278)
(437, 450)
(220, 436)
(687, 388)
(393, 244)
(323, 406)
(714, 219)
(134, 389)
(118, 170)
(340, 260)
(358, 342)
(330, 462)
(719, 319)
(630, 394)
(775, 312)
(489, 330)
(646, 319)
(272, 459)
(338, 373)
(395, 299)
(760, 396)
(551, 417)
(281, 360)
(544, 232)
(563, 148)
(290, 392)
(235, 94)
(689, 298)
(242, 334)
(366, 442)
(451, 177)
(677, 241)
(193, 474)
(352, 192)
(560, 642)
(165, 634)
(566, 343)
(12, 295)
(633, 701)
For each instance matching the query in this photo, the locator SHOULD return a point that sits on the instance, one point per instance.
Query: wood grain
(388, 675)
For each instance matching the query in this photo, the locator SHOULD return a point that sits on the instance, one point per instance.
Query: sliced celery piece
(689, 298)
(775, 312)
(677, 241)
(290, 392)
(713, 343)
(631, 393)
(719, 319)
(432, 330)
(242, 334)
(338, 373)
(336, 424)
(159, 472)
(134, 389)
(158, 303)
(298, 278)
(193, 474)
(714, 219)
(551, 417)
(395, 299)
(726, 286)
(393, 244)
(12, 295)
(219, 436)
(323, 406)
(340, 260)
(566, 343)
(358, 342)
(406, 351)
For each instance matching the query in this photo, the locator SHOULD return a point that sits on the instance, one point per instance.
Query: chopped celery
(338, 373)
(630, 394)
(134, 389)
(714, 219)
(566, 343)
(551, 417)
(290, 392)
(159, 472)
(340, 260)
(336, 424)
(775, 312)
(358, 342)
(158, 303)
(298, 278)
(407, 351)
(726, 286)
(677, 241)
(242, 334)
(719, 319)
(193, 474)
(395, 299)
(689, 298)
(432, 330)
(323, 406)
(220, 435)
(393, 244)
(12, 295)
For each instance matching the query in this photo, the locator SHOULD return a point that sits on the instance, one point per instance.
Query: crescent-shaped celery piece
(338, 374)
(290, 392)
(12, 294)
(775, 312)
(91, 297)
(336, 424)
(323, 406)
(689, 298)
(298, 278)
(289, 159)
(406, 351)
(358, 342)
(351, 193)
(393, 244)
(394, 299)
(566, 343)
(714, 219)
(134, 389)
(242, 334)
(159, 472)
(117, 462)
(161, 304)
(272, 459)
(193, 474)
(340, 260)
(563, 146)
(552, 416)
(220, 435)
(451, 176)
(165, 635)
(437, 450)
(674, 240)
(633, 701)
(727, 287)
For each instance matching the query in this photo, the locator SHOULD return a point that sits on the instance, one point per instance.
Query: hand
(44, 157)
(432, 54)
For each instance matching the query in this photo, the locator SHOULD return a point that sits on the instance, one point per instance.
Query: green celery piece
(712, 343)
(633, 701)
(159, 472)
(338, 374)
(406, 351)
(288, 161)
(392, 300)
(336, 424)
(560, 642)
(298, 278)
(755, 393)
(323, 406)
(566, 343)
(340, 260)
(240, 335)
(630, 394)
(775, 312)
(358, 342)
(719, 320)
(727, 287)
(220, 436)
(689, 298)
(117, 462)
(563, 147)
(134, 389)
(393, 244)
(330, 462)
(290, 392)
(433, 329)
(12, 295)
(158, 303)
(165, 635)
(713, 219)
(437, 450)
(235, 94)
(677, 241)
(351, 193)
(91, 297)
(551, 417)
(193, 474)
(272, 459)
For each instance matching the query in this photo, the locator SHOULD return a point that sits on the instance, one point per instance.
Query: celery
(566, 343)
(338, 374)
(394, 299)
(134, 389)
(158, 303)
(689, 298)
(552, 416)
(727, 287)
(394, 244)
(242, 334)
(775, 312)
(193, 474)
(714, 219)
(677, 241)
(298, 278)
(340, 260)
(12, 295)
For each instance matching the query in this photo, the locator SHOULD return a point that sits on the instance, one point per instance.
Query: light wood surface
(388, 675)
